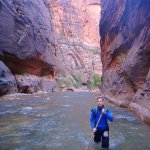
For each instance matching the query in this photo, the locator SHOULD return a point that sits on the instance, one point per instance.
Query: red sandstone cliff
(76, 37)
(125, 44)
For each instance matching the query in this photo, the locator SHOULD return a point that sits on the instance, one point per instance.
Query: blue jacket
(95, 114)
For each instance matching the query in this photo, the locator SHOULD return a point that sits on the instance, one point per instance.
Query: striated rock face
(77, 39)
(26, 37)
(7, 81)
(141, 101)
(125, 44)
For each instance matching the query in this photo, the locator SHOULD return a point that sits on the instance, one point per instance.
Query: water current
(60, 121)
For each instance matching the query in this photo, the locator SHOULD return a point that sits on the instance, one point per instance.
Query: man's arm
(109, 114)
(92, 119)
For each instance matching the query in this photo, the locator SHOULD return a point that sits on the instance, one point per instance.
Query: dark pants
(102, 135)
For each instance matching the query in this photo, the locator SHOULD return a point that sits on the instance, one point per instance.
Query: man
(99, 125)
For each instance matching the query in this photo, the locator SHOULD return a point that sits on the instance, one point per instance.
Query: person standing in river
(98, 122)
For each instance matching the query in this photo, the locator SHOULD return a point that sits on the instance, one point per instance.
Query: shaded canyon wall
(27, 43)
(125, 44)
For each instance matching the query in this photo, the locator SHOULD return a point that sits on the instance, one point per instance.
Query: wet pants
(102, 136)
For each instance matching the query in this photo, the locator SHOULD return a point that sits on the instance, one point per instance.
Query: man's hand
(94, 130)
(104, 111)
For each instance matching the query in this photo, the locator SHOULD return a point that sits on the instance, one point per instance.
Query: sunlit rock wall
(77, 38)
(125, 45)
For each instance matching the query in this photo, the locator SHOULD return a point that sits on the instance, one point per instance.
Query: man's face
(100, 102)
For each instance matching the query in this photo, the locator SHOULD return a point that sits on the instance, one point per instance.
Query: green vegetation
(78, 80)
(96, 80)
(68, 80)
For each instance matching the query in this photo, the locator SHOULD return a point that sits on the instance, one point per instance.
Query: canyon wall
(125, 45)
(77, 38)
(26, 37)
(54, 39)
(26, 41)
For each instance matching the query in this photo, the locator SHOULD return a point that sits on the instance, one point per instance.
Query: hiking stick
(95, 127)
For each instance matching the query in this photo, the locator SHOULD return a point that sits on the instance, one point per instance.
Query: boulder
(7, 81)
(33, 84)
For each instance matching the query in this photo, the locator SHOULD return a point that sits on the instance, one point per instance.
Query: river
(60, 121)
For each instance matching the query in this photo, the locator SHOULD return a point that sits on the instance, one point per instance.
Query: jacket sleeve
(92, 119)
(109, 115)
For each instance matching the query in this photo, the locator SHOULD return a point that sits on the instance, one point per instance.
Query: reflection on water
(60, 121)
